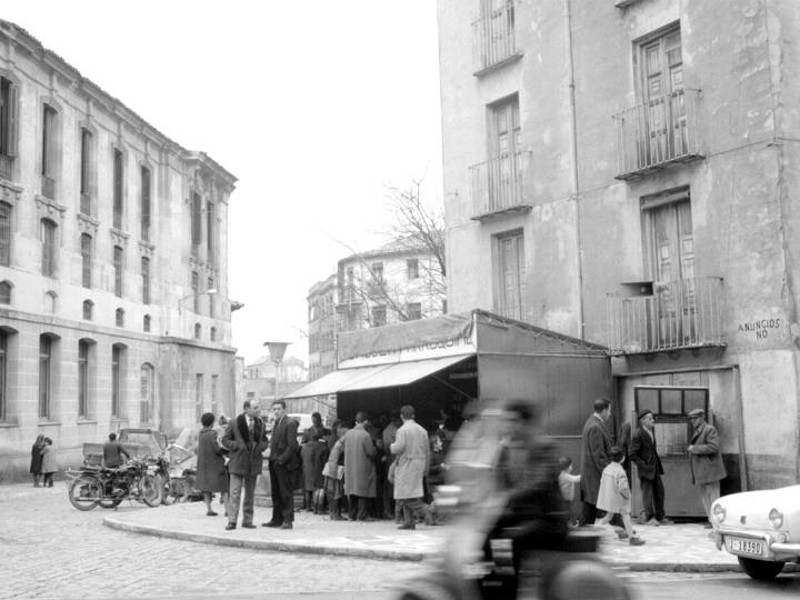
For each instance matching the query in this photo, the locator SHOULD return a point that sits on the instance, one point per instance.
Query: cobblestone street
(50, 550)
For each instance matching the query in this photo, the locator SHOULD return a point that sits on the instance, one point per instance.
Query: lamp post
(276, 352)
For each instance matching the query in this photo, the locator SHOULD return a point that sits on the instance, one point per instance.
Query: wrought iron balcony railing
(677, 315)
(501, 184)
(656, 133)
(494, 38)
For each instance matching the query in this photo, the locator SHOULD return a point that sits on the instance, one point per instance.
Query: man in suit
(284, 460)
(644, 454)
(705, 459)
(245, 439)
(595, 456)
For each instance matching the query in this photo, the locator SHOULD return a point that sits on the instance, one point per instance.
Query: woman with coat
(212, 476)
(49, 464)
(334, 484)
(36, 459)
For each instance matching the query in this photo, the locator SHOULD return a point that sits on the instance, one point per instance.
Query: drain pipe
(574, 184)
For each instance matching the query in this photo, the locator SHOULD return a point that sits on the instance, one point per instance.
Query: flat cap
(697, 412)
(644, 413)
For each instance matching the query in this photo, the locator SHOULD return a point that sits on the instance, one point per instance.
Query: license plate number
(743, 546)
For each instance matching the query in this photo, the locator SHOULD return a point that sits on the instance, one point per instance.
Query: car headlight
(718, 513)
(775, 518)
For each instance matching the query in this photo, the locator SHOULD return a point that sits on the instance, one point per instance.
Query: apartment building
(625, 172)
(113, 264)
(322, 328)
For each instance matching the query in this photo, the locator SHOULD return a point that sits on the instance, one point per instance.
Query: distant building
(322, 301)
(113, 264)
(259, 380)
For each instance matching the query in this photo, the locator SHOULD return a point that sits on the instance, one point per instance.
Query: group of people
(605, 481)
(43, 462)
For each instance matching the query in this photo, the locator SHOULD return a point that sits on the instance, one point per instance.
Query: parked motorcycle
(478, 564)
(92, 486)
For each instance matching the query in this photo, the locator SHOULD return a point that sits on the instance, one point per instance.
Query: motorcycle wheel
(150, 490)
(85, 492)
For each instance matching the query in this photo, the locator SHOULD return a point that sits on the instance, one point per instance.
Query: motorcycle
(92, 486)
(480, 560)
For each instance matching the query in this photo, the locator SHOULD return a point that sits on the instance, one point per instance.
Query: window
(211, 295)
(509, 269)
(87, 148)
(198, 396)
(117, 373)
(210, 229)
(146, 394)
(412, 268)
(50, 301)
(45, 375)
(145, 280)
(414, 311)
(670, 406)
(5, 233)
(118, 264)
(88, 310)
(3, 376)
(49, 151)
(378, 316)
(9, 126)
(214, 393)
(146, 323)
(119, 318)
(48, 248)
(377, 272)
(198, 331)
(86, 260)
(5, 292)
(119, 174)
(145, 203)
(84, 349)
(197, 223)
(213, 334)
(196, 291)
(494, 39)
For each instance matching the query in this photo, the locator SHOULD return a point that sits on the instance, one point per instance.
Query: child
(566, 480)
(615, 496)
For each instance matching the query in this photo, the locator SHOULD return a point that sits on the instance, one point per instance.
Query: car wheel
(761, 569)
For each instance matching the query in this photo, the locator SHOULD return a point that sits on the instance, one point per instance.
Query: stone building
(322, 301)
(113, 264)
(625, 172)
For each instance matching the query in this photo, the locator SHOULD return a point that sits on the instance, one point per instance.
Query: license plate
(744, 546)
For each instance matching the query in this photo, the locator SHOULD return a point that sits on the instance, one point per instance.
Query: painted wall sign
(761, 329)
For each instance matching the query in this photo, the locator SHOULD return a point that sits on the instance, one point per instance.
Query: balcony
(676, 315)
(501, 185)
(494, 39)
(6, 167)
(657, 133)
(48, 187)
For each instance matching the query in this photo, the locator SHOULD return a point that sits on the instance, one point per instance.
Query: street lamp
(276, 352)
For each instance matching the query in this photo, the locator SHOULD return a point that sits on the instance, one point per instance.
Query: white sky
(315, 105)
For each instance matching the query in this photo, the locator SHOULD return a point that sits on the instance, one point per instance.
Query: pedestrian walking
(49, 462)
(359, 469)
(284, 463)
(614, 496)
(212, 476)
(36, 459)
(412, 452)
(245, 440)
(705, 459)
(644, 454)
(595, 449)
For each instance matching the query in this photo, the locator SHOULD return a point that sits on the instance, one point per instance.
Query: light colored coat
(705, 458)
(49, 463)
(413, 456)
(614, 495)
(359, 463)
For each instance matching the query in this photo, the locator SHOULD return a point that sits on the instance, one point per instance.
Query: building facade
(322, 301)
(621, 172)
(113, 264)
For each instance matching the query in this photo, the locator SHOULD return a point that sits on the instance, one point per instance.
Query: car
(761, 528)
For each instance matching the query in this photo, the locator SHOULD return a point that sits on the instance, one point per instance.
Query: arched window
(198, 331)
(5, 292)
(146, 323)
(120, 317)
(88, 310)
(51, 302)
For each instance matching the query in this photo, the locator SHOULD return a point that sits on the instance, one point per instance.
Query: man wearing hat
(705, 458)
(644, 454)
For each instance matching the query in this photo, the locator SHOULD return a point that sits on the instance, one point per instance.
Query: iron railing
(494, 37)
(6, 166)
(48, 187)
(658, 132)
(678, 314)
(501, 184)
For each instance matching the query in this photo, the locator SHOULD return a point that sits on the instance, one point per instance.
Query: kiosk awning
(378, 376)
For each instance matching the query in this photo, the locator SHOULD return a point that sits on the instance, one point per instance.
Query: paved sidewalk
(682, 547)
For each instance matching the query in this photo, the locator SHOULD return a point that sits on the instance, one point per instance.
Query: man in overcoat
(595, 456)
(412, 457)
(284, 461)
(245, 439)
(359, 469)
(644, 454)
(705, 459)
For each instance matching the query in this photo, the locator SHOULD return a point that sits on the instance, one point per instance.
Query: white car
(762, 529)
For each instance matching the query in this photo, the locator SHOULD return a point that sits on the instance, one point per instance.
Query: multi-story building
(322, 328)
(113, 263)
(400, 281)
(622, 172)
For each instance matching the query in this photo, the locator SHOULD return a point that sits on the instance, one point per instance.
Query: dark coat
(314, 455)
(36, 457)
(595, 450)
(212, 476)
(644, 454)
(283, 446)
(360, 478)
(705, 457)
(245, 453)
